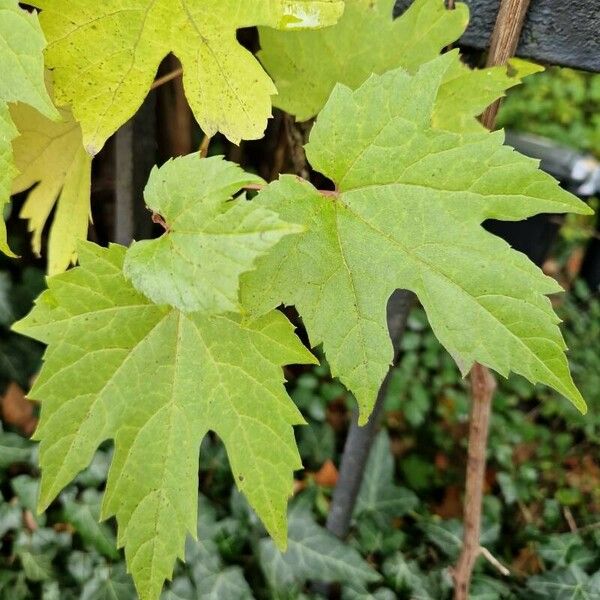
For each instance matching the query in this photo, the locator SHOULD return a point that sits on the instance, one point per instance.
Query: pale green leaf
(51, 160)
(407, 214)
(156, 381)
(306, 65)
(314, 554)
(8, 132)
(21, 59)
(22, 80)
(210, 239)
(465, 93)
(105, 55)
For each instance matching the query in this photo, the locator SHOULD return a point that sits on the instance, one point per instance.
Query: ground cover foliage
(179, 344)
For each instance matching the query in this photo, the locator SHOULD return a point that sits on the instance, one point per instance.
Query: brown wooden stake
(503, 46)
(505, 39)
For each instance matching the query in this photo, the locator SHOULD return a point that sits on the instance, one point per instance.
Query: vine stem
(505, 39)
(483, 385)
(166, 78)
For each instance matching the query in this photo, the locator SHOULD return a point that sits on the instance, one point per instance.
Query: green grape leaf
(104, 57)
(407, 213)
(210, 239)
(156, 381)
(22, 66)
(306, 65)
(465, 93)
(52, 161)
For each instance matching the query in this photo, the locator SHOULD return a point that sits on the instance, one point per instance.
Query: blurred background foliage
(561, 104)
(542, 503)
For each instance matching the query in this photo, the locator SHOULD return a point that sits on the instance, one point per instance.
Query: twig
(493, 561)
(166, 78)
(203, 150)
(483, 385)
(570, 519)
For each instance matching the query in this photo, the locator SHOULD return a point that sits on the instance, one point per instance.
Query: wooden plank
(556, 32)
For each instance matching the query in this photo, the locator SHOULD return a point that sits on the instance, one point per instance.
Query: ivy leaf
(105, 55)
(407, 213)
(566, 584)
(379, 497)
(306, 65)
(109, 583)
(210, 240)
(50, 156)
(313, 553)
(83, 514)
(157, 380)
(212, 579)
(22, 67)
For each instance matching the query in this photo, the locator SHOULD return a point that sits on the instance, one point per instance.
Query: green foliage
(19, 356)
(194, 374)
(22, 68)
(379, 499)
(210, 239)
(313, 554)
(411, 550)
(118, 46)
(392, 171)
(567, 584)
(306, 65)
(561, 104)
(161, 347)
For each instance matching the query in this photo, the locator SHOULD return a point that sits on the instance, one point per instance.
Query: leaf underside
(408, 215)
(104, 56)
(156, 381)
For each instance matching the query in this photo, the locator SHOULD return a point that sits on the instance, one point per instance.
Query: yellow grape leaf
(50, 156)
(21, 80)
(104, 56)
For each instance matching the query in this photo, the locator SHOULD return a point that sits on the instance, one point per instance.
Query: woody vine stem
(505, 39)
